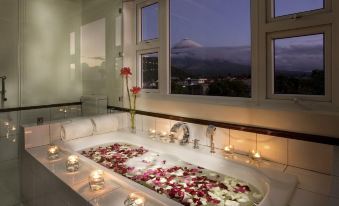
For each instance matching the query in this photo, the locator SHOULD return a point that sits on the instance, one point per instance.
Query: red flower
(135, 90)
(125, 71)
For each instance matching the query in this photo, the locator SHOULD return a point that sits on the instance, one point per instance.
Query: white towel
(76, 129)
(105, 123)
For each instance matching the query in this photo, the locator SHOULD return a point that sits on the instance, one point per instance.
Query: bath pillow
(105, 123)
(76, 129)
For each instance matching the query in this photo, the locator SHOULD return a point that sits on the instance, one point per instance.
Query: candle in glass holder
(72, 164)
(96, 180)
(163, 134)
(53, 152)
(152, 133)
(229, 149)
(255, 155)
(134, 199)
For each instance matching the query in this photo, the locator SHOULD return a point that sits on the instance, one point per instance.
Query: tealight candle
(152, 133)
(53, 152)
(255, 155)
(163, 134)
(96, 180)
(229, 149)
(72, 164)
(134, 199)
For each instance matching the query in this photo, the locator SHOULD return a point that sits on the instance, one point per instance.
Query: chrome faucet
(210, 134)
(174, 133)
(3, 91)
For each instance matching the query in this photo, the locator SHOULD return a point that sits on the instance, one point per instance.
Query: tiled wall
(301, 154)
(307, 155)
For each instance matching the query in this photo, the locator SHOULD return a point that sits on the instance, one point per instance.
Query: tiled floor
(9, 183)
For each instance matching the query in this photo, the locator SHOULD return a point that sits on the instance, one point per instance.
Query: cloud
(299, 58)
(303, 58)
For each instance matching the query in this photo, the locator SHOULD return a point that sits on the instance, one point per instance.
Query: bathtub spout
(174, 133)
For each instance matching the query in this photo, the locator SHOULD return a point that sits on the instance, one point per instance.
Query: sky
(226, 23)
(284, 7)
(211, 23)
(304, 53)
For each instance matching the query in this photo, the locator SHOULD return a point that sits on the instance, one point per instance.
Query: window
(286, 7)
(299, 66)
(148, 45)
(149, 67)
(210, 51)
(149, 22)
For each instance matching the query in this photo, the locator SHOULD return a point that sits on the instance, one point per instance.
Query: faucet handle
(210, 131)
(196, 144)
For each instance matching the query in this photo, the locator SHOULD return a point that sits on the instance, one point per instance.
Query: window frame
(326, 31)
(270, 12)
(261, 27)
(139, 69)
(140, 6)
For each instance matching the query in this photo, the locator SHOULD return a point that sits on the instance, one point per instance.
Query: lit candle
(135, 199)
(152, 132)
(13, 128)
(139, 202)
(229, 149)
(72, 164)
(96, 180)
(53, 152)
(163, 134)
(255, 155)
(6, 123)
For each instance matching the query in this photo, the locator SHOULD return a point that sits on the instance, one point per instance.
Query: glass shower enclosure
(52, 52)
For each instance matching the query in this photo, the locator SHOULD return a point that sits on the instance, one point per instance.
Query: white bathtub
(278, 187)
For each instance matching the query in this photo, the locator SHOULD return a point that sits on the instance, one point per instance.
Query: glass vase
(132, 123)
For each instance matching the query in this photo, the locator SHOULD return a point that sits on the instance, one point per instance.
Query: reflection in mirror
(93, 57)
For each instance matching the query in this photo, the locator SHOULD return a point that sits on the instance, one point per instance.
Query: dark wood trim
(260, 130)
(15, 109)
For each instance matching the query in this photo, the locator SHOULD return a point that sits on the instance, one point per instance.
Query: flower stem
(129, 95)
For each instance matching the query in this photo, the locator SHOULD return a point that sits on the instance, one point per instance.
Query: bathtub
(276, 186)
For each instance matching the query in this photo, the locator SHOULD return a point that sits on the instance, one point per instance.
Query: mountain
(197, 68)
(196, 61)
(186, 43)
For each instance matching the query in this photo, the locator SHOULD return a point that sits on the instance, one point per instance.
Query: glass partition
(67, 49)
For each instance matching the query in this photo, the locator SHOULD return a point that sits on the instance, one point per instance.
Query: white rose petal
(163, 180)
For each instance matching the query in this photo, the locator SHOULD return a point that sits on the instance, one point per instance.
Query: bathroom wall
(101, 47)
(51, 70)
(9, 25)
